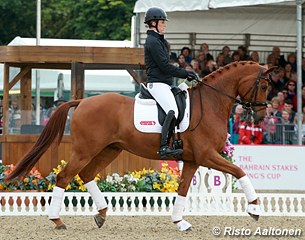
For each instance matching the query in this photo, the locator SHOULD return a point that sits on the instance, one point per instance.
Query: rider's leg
(163, 95)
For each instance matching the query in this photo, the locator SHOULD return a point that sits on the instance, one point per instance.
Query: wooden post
(5, 98)
(77, 80)
(26, 98)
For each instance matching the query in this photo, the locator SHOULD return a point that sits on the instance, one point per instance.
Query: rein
(248, 106)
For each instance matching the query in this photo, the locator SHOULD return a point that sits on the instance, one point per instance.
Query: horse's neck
(226, 82)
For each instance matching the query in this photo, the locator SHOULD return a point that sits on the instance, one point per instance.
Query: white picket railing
(161, 204)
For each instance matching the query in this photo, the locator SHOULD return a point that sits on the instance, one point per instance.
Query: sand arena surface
(141, 227)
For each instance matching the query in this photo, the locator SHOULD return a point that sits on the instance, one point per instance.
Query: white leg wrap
(56, 201)
(248, 188)
(178, 208)
(96, 195)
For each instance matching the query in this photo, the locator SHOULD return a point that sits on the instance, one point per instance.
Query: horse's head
(253, 91)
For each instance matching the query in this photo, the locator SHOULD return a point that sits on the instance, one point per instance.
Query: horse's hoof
(99, 220)
(60, 227)
(254, 211)
(184, 226)
(255, 217)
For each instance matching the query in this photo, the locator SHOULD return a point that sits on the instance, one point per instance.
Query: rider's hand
(191, 76)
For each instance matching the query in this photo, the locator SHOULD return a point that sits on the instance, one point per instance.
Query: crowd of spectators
(280, 123)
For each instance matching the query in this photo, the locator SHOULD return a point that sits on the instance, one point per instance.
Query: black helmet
(155, 13)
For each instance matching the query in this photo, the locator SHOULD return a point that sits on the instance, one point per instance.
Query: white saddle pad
(146, 114)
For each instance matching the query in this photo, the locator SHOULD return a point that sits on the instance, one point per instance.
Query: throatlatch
(166, 134)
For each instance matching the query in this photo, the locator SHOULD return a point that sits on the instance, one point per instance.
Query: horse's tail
(54, 129)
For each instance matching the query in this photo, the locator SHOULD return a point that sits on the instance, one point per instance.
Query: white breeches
(164, 96)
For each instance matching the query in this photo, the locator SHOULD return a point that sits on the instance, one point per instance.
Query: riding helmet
(155, 13)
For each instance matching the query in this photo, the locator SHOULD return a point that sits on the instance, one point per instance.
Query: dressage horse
(102, 126)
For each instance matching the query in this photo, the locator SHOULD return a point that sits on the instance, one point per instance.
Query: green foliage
(67, 19)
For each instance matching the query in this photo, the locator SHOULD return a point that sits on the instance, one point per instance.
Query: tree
(70, 19)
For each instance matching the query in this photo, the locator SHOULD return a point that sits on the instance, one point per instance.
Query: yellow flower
(25, 180)
(68, 187)
(51, 186)
(35, 181)
(164, 164)
(156, 186)
(162, 176)
(82, 188)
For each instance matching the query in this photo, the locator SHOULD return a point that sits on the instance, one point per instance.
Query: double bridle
(248, 105)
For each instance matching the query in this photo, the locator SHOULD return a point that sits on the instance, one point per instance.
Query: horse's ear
(271, 69)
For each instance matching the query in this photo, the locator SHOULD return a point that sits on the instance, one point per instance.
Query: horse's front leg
(188, 172)
(217, 162)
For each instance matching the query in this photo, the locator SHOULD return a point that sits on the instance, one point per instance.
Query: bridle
(247, 105)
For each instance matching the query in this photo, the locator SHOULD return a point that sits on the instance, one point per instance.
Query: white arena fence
(161, 204)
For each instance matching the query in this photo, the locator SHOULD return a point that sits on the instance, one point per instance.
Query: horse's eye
(264, 87)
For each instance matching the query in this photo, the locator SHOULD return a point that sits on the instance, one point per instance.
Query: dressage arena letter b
(217, 181)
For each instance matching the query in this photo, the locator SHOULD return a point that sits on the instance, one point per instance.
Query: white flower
(109, 179)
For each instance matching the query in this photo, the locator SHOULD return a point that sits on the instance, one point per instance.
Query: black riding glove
(191, 76)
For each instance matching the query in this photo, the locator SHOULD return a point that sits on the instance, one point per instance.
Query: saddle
(149, 116)
(180, 97)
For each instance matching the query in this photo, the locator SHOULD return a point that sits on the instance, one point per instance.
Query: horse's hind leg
(88, 174)
(188, 172)
(217, 162)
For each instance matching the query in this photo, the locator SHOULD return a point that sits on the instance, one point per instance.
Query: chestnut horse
(102, 126)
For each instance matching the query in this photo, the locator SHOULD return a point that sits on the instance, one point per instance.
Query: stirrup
(167, 152)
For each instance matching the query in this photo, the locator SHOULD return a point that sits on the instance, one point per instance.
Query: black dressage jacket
(158, 66)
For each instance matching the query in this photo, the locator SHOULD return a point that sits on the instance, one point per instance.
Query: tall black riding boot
(167, 131)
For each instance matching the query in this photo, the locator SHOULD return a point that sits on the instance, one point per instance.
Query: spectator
(295, 100)
(235, 56)
(269, 126)
(279, 59)
(288, 71)
(196, 67)
(281, 98)
(288, 107)
(186, 52)
(254, 57)
(201, 60)
(220, 60)
(291, 89)
(181, 61)
(303, 124)
(271, 61)
(226, 53)
(277, 86)
(285, 129)
(209, 68)
(275, 105)
(205, 49)
(250, 133)
(293, 61)
(237, 119)
(242, 50)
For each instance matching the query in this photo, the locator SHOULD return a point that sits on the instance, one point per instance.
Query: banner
(272, 167)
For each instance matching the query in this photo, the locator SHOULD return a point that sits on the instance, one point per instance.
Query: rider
(159, 76)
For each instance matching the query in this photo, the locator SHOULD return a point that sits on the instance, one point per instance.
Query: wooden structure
(77, 59)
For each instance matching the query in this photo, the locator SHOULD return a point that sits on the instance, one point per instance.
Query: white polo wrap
(96, 195)
(178, 208)
(248, 188)
(56, 201)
